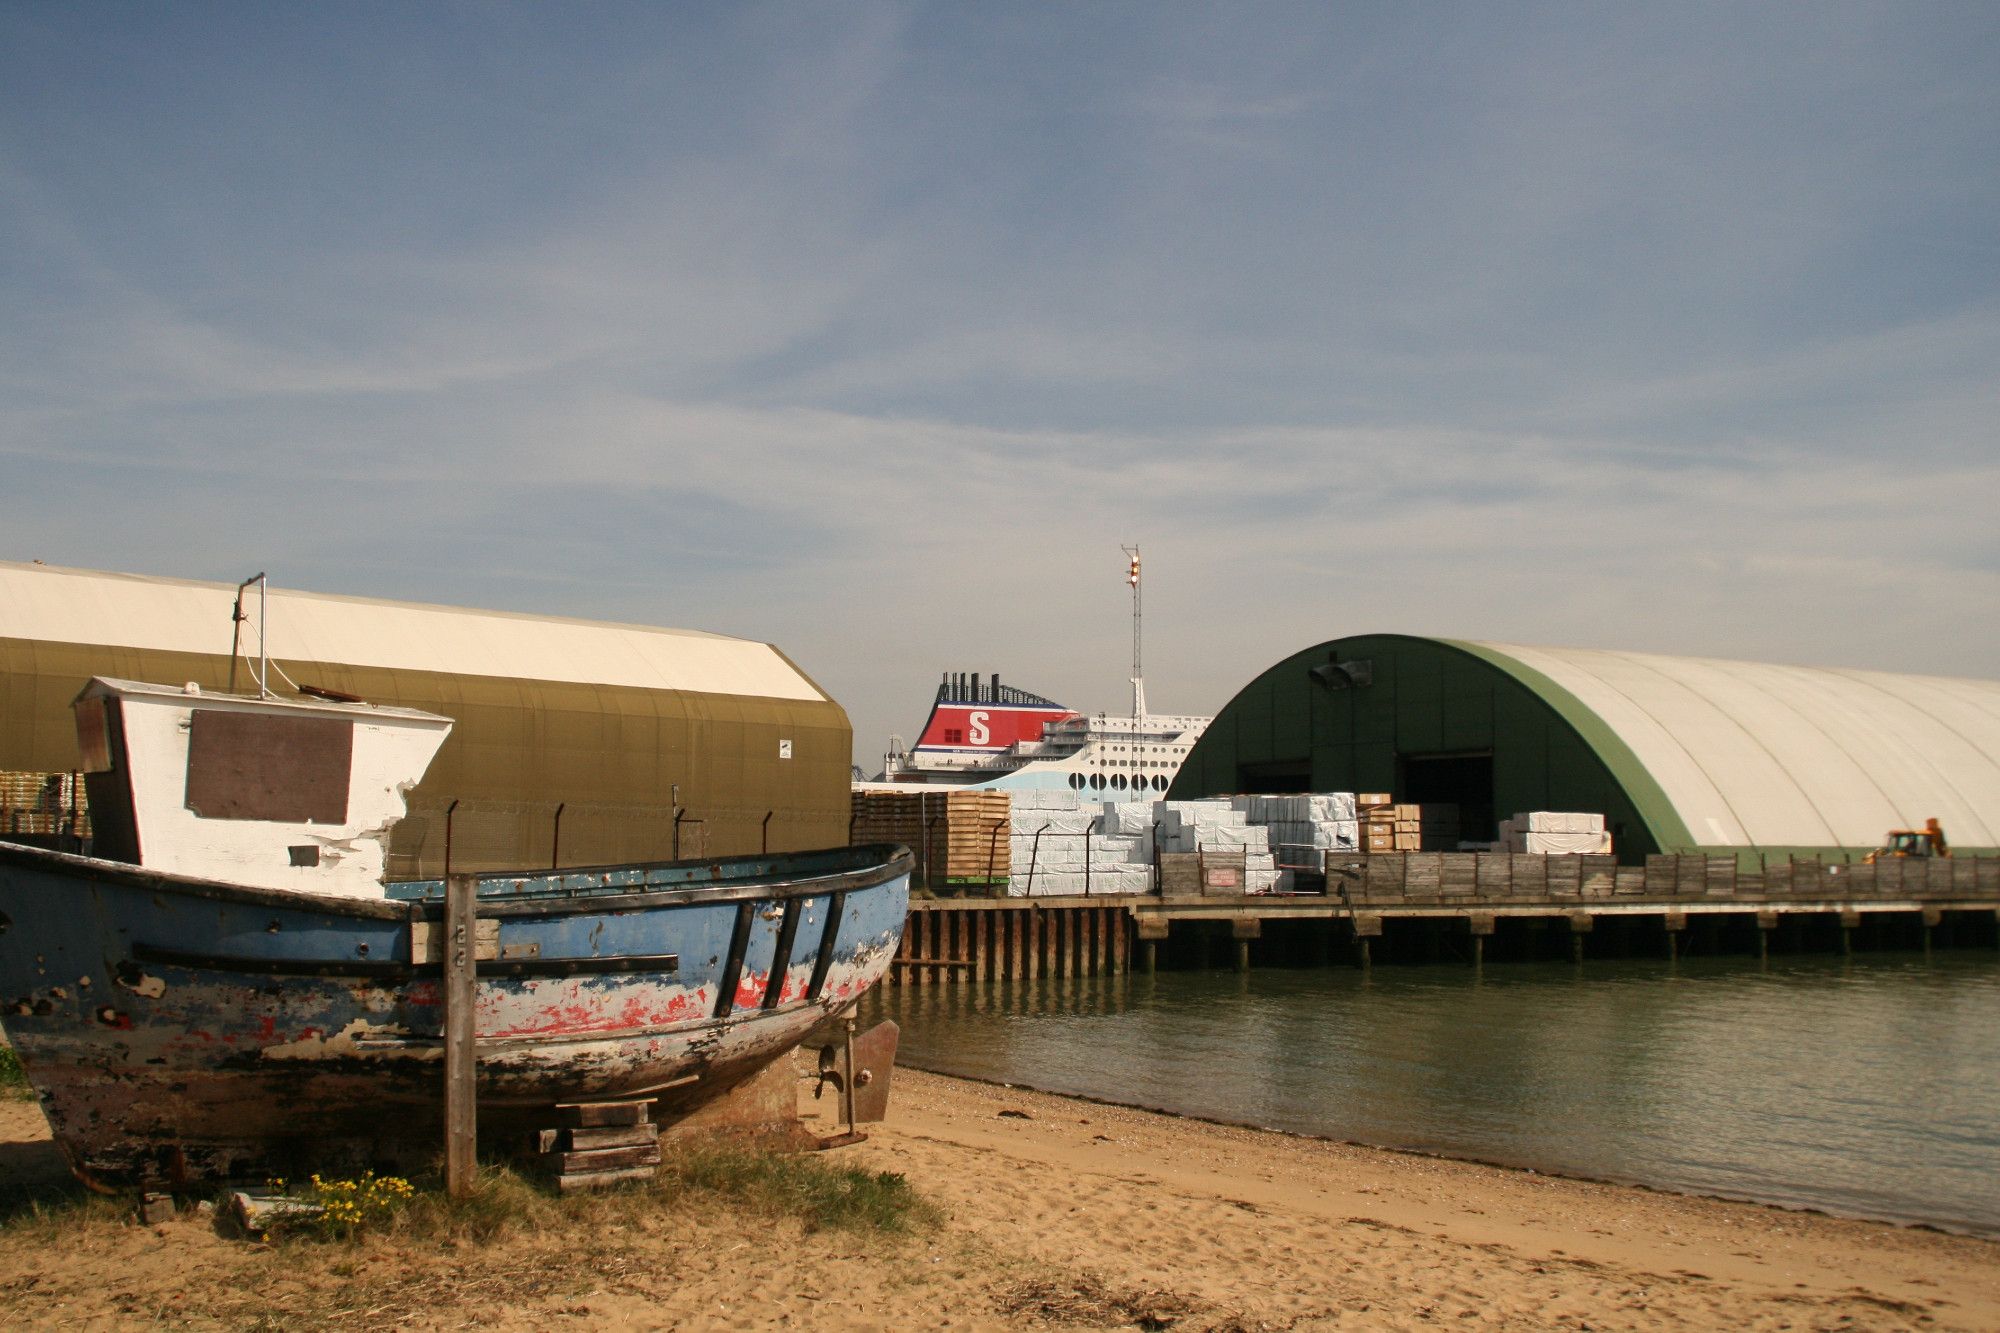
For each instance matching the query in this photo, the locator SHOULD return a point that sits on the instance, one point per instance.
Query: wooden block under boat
(578, 1140)
(590, 1180)
(601, 1159)
(589, 1115)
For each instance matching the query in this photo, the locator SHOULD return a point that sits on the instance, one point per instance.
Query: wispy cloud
(875, 333)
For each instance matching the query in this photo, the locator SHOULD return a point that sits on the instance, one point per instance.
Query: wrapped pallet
(1556, 833)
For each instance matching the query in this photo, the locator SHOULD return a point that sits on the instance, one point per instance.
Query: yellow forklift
(1903, 842)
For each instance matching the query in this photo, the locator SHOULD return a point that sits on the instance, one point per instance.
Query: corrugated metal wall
(1284, 731)
(609, 756)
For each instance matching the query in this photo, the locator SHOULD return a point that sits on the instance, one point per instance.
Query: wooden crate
(959, 837)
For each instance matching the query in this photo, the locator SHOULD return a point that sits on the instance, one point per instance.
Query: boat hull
(179, 1030)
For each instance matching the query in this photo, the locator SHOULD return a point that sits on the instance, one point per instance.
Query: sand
(1061, 1214)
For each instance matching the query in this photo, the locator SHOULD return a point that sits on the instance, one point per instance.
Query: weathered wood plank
(601, 1159)
(461, 1097)
(577, 1181)
(579, 1140)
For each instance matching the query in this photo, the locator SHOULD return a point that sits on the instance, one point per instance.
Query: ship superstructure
(982, 733)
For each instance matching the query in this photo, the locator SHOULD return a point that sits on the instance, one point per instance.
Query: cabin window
(954, 736)
(288, 770)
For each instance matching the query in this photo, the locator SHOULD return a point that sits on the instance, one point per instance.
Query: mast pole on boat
(1138, 675)
(263, 637)
(236, 618)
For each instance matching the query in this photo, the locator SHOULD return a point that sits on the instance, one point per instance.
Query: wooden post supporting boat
(461, 1095)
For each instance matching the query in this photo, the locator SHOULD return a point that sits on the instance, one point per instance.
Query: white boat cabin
(271, 793)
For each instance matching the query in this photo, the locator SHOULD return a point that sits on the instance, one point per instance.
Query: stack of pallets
(1390, 827)
(1378, 820)
(599, 1143)
(959, 837)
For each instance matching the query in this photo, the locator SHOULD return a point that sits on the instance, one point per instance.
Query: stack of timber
(599, 1143)
(1377, 810)
(959, 837)
(43, 805)
(1387, 826)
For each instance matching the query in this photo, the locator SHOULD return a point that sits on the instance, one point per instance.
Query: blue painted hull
(177, 1029)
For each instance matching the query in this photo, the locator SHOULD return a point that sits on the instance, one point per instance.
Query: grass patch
(513, 1246)
(53, 1213)
(816, 1192)
(504, 1202)
(809, 1187)
(11, 1074)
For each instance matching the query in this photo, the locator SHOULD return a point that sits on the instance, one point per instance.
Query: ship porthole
(1118, 781)
(1097, 781)
(1076, 781)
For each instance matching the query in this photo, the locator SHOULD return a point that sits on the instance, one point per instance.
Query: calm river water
(1868, 1087)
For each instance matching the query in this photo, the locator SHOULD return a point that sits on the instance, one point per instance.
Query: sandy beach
(1059, 1214)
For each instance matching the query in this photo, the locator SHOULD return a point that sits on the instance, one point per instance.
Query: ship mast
(1138, 676)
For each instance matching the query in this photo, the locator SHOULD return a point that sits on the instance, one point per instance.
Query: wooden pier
(1473, 907)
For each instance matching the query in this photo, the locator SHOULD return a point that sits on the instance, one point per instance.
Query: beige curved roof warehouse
(1753, 754)
(588, 741)
(180, 615)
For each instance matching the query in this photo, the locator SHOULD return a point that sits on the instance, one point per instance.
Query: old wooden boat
(227, 989)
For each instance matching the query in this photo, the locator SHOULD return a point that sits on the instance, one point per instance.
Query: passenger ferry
(981, 733)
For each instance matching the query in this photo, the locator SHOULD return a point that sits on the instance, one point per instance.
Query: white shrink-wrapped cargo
(1116, 852)
(1061, 885)
(1054, 823)
(1559, 821)
(1566, 844)
(1337, 806)
(1129, 817)
(1124, 880)
(1024, 852)
(1217, 811)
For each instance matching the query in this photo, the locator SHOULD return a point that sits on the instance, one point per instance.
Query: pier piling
(1419, 899)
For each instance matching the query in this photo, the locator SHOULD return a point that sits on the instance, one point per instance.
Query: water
(1868, 1087)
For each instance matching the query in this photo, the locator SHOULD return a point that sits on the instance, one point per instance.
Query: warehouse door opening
(1463, 780)
(1275, 779)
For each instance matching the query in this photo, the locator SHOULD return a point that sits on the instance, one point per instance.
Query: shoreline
(1058, 1212)
(1555, 1250)
(1932, 1225)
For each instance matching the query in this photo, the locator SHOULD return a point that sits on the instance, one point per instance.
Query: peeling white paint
(354, 1039)
(150, 986)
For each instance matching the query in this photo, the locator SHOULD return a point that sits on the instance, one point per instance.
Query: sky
(874, 330)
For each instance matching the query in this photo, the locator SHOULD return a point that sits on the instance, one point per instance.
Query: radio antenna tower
(1138, 676)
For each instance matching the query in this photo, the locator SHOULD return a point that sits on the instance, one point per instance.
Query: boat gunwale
(893, 861)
